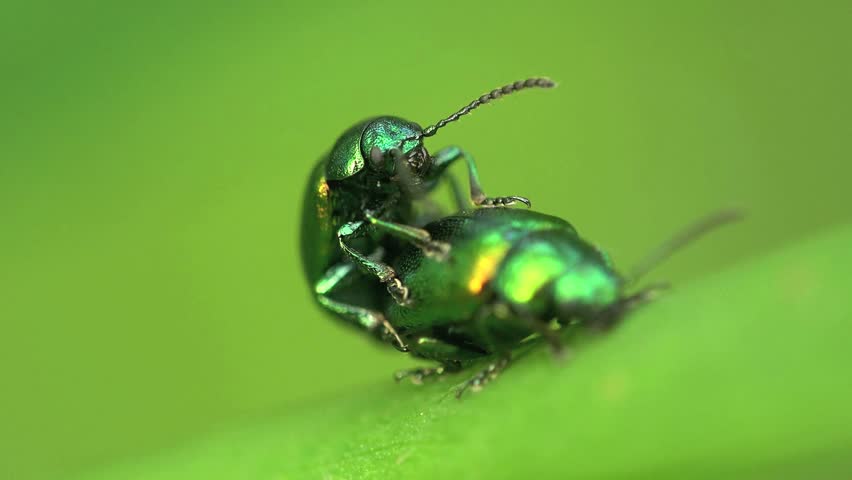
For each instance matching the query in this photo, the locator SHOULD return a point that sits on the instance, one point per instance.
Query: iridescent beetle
(513, 275)
(359, 204)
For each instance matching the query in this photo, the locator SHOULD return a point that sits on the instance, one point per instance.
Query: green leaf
(741, 374)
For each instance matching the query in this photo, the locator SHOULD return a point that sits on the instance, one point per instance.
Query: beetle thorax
(557, 275)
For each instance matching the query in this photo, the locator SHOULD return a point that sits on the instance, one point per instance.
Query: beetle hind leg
(446, 156)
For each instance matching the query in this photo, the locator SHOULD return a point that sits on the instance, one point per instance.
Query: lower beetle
(512, 274)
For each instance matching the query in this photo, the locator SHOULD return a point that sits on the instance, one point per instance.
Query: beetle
(512, 274)
(359, 205)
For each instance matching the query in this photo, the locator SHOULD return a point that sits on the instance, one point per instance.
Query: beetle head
(394, 150)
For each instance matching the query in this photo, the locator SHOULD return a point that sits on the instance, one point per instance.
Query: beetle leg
(446, 156)
(417, 375)
(367, 319)
(489, 373)
(384, 272)
(493, 370)
(549, 335)
(417, 236)
(462, 203)
(451, 356)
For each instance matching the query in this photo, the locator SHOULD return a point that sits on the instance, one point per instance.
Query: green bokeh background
(153, 160)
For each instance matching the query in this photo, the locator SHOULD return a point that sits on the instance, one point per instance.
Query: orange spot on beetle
(483, 272)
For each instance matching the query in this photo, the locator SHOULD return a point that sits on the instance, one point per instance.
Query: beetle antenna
(535, 82)
(682, 239)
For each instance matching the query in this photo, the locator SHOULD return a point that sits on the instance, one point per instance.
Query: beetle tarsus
(389, 334)
(478, 381)
(417, 375)
(503, 201)
(398, 291)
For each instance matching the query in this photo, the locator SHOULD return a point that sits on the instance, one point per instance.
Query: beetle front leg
(446, 156)
(364, 318)
(417, 236)
(384, 272)
(462, 202)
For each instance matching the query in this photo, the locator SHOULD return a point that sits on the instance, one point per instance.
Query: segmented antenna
(535, 82)
(683, 238)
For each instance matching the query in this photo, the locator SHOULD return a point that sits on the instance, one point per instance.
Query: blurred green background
(153, 161)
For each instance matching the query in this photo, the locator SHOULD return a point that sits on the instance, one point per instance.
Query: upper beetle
(365, 188)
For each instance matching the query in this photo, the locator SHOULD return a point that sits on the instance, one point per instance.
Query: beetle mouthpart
(417, 162)
(407, 176)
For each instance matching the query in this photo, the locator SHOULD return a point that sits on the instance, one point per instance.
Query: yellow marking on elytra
(322, 203)
(483, 271)
(485, 268)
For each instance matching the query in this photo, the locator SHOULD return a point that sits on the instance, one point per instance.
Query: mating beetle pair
(359, 205)
(455, 289)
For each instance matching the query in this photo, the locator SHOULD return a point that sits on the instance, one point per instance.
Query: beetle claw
(504, 201)
(398, 291)
(478, 381)
(390, 335)
(417, 375)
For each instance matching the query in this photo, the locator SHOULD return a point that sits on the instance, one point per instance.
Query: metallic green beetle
(359, 207)
(511, 274)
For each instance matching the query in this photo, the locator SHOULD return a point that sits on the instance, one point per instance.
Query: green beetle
(359, 206)
(511, 274)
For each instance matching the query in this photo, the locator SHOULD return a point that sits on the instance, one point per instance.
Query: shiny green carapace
(511, 275)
